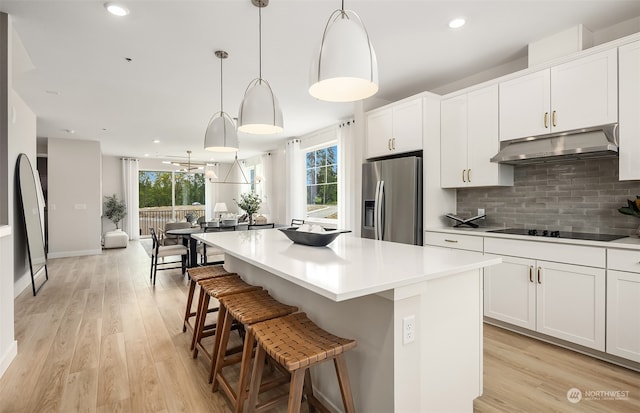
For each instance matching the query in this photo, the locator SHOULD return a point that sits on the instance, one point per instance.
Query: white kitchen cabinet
(623, 304)
(629, 126)
(396, 128)
(456, 241)
(577, 94)
(510, 292)
(469, 138)
(570, 303)
(562, 300)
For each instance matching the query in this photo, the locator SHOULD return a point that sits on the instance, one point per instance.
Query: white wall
(8, 345)
(75, 197)
(22, 133)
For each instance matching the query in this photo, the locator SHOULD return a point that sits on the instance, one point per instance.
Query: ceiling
(82, 87)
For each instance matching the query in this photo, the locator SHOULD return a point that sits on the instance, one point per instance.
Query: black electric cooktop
(558, 234)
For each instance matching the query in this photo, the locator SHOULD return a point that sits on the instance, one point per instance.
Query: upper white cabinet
(578, 94)
(395, 128)
(469, 138)
(629, 127)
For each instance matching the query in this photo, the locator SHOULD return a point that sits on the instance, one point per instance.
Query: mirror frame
(32, 224)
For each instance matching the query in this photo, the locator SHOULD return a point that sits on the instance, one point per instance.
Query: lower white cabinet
(510, 293)
(623, 304)
(565, 301)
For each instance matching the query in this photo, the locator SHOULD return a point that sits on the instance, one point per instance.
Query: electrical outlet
(408, 329)
(481, 212)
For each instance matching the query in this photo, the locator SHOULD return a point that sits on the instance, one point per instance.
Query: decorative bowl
(312, 239)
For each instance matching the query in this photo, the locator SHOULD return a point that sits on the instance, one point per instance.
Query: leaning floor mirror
(34, 234)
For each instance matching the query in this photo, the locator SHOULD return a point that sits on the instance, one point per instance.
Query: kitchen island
(416, 313)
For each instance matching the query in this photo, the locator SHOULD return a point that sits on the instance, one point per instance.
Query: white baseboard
(65, 254)
(8, 357)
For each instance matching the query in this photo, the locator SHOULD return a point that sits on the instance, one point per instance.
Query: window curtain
(267, 186)
(131, 224)
(347, 162)
(294, 171)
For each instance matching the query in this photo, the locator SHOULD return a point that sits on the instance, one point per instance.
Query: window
(169, 196)
(322, 182)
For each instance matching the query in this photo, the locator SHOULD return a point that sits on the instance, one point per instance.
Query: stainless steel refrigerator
(392, 200)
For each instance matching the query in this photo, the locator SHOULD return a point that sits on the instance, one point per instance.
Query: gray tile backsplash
(579, 196)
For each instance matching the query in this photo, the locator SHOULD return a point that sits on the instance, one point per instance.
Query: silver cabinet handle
(452, 241)
(539, 272)
(389, 143)
(468, 175)
(463, 179)
(531, 273)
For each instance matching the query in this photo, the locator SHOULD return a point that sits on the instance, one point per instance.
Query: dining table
(191, 243)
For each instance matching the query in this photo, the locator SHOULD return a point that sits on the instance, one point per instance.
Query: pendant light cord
(221, 90)
(260, 42)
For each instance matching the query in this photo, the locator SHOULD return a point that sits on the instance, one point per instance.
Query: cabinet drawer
(462, 242)
(623, 260)
(547, 251)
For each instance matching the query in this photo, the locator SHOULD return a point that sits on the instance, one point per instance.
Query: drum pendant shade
(259, 111)
(221, 135)
(346, 68)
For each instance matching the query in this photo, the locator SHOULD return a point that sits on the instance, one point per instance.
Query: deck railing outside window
(157, 217)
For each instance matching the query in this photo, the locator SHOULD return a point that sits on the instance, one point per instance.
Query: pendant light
(346, 68)
(260, 112)
(221, 135)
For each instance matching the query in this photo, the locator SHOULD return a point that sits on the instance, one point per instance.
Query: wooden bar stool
(215, 287)
(246, 308)
(199, 274)
(297, 344)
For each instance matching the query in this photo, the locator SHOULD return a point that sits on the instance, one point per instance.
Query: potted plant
(632, 208)
(114, 209)
(249, 203)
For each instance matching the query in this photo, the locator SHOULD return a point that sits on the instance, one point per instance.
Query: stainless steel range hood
(596, 142)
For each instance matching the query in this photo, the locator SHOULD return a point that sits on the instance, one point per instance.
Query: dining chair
(166, 239)
(297, 222)
(158, 250)
(209, 254)
(261, 226)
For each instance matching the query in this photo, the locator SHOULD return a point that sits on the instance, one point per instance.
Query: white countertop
(632, 242)
(347, 268)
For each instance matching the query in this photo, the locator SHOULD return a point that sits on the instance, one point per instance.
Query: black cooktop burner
(558, 234)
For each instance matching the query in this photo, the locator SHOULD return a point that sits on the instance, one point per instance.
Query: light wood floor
(99, 338)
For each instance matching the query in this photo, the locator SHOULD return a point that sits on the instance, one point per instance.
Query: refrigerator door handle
(376, 216)
(381, 211)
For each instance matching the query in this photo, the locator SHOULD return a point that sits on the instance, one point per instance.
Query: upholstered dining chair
(166, 239)
(209, 254)
(161, 251)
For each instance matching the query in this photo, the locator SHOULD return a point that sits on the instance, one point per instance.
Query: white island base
(366, 290)
(438, 372)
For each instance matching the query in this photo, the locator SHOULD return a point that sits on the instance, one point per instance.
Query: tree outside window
(322, 183)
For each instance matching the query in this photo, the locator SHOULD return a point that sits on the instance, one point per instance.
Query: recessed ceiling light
(116, 9)
(53, 92)
(156, 141)
(457, 23)
(69, 131)
(146, 154)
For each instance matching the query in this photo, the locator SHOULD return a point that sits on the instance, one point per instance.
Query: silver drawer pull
(451, 240)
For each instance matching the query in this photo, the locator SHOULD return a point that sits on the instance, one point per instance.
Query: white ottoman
(116, 239)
